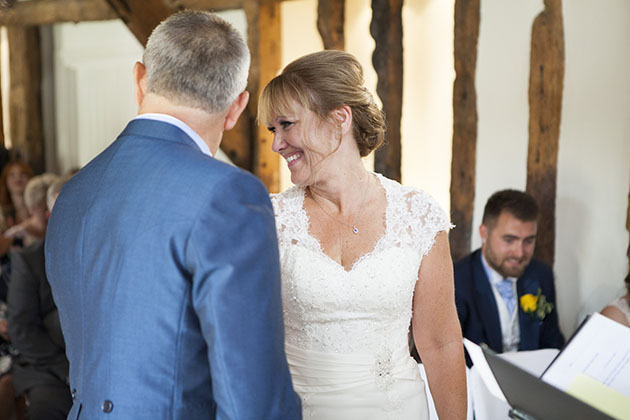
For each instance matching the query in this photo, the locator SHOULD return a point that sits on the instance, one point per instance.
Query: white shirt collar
(180, 124)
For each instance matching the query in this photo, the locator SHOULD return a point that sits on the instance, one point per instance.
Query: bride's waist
(320, 368)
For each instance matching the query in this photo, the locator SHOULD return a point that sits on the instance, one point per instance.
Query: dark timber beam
(213, 5)
(386, 29)
(330, 20)
(45, 12)
(464, 126)
(141, 16)
(546, 80)
(25, 111)
(263, 34)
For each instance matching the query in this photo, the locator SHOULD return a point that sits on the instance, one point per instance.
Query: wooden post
(546, 80)
(330, 20)
(263, 30)
(464, 126)
(25, 110)
(386, 29)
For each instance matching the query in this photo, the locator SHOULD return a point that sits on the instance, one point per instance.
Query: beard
(500, 265)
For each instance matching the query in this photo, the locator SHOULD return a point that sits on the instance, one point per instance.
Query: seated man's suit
(477, 306)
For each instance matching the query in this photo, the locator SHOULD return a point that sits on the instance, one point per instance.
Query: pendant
(355, 230)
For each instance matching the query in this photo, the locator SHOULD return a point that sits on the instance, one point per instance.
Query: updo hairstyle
(322, 82)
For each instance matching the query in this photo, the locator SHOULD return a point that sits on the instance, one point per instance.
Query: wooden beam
(25, 111)
(213, 5)
(5, 4)
(330, 20)
(237, 143)
(45, 12)
(263, 33)
(546, 80)
(141, 16)
(386, 29)
(1, 121)
(463, 163)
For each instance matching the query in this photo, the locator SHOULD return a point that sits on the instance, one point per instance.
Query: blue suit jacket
(478, 313)
(164, 265)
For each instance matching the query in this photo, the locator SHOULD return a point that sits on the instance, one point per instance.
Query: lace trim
(403, 204)
(623, 306)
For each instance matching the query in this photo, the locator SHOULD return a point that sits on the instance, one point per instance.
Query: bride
(362, 257)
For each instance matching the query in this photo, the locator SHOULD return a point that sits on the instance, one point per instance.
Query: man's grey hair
(197, 59)
(35, 191)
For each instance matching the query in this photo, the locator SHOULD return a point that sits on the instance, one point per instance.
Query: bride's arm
(437, 332)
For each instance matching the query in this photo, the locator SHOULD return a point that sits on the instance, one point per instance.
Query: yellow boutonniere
(536, 305)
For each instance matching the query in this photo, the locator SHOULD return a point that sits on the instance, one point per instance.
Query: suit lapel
(487, 305)
(529, 327)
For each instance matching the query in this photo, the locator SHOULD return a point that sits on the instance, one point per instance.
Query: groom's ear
(140, 81)
(235, 110)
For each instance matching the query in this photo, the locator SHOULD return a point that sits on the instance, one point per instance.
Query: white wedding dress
(346, 331)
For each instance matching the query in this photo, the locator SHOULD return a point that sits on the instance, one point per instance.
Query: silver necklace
(353, 226)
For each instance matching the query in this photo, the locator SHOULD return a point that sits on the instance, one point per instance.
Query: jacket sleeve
(233, 255)
(26, 325)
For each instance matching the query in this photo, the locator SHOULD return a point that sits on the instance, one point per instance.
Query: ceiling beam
(46, 12)
(213, 5)
(141, 16)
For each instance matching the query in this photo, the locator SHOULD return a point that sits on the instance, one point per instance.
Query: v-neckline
(362, 257)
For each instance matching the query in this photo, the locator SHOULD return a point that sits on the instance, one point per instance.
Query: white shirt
(509, 323)
(181, 125)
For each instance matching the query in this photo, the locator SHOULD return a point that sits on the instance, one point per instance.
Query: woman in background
(362, 257)
(619, 309)
(13, 211)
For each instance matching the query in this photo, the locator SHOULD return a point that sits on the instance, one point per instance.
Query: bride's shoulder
(287, 199)
(412, 198)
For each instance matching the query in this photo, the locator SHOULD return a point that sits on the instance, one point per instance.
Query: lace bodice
(368, 308)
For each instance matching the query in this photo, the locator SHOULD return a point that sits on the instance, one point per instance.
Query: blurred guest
(619, 309)
(34, 227)
(40, 371)
(505, 298)
(8, 402)
(13, 209)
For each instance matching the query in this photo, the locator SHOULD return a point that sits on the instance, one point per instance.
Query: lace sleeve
(427, 220)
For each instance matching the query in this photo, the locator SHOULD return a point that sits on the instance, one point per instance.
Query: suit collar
(169, 119)
(161, 130)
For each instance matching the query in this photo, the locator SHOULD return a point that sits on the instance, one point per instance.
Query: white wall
(594, 158)
(93, 87)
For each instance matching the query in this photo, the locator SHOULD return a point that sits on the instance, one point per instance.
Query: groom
(162, 260)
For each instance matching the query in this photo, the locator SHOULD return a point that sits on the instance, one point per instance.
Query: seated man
(490, 282)
(41, 369)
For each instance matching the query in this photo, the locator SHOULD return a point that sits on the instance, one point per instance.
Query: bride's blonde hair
(322, 82)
